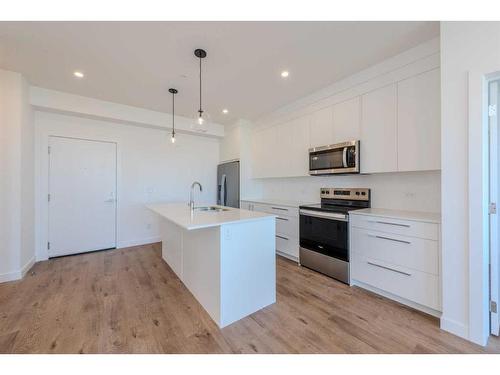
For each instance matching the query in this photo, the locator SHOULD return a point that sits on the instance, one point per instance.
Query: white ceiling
(135, 63)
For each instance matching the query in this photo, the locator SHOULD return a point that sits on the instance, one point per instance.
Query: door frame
(493, 91)
(478, 202)
(42, 136)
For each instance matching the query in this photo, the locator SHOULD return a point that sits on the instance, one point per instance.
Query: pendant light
(202, 117)
(173, 92)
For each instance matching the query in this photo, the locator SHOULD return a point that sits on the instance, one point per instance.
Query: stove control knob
(357, 193)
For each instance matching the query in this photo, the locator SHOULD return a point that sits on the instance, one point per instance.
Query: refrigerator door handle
(223, 190)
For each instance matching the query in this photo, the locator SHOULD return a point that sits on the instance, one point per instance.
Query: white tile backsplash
(414, 191)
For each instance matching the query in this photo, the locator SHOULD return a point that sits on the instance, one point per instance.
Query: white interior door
(82, 196)
(494, 191)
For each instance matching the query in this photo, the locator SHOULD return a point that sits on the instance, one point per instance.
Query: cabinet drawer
(419, 229)
(287, 245)
(415, 253)
(412, 285)
(287, 225)
(276, 209)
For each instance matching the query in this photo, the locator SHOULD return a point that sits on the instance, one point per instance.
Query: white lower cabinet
(287, 226)
(398, 258)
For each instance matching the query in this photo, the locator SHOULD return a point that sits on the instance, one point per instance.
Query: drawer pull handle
(389, 223)
(281, 218)
(283, 238)
(390, 239)
(279, 208)
(389, 269)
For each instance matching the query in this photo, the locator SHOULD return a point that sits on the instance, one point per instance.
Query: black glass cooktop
(329, 207)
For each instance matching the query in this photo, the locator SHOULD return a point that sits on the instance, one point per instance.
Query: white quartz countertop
(429, 217)
(277, 202)
(180, 214)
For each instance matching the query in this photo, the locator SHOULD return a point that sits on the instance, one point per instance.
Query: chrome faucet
(191, 194)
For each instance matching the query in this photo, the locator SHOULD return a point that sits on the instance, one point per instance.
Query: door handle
(389, 239)
(281, 218)
(388, 268)
(389, 223)
(223, 190)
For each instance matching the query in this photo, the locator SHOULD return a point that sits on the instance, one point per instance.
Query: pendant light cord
(200, 110)
(173, 114)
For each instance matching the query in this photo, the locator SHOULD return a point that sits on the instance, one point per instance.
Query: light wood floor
(129, 301)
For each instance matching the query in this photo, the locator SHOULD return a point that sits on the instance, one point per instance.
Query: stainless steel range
(324, 231)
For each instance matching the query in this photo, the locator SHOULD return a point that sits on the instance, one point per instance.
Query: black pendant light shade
(200, 54)
(173, 92)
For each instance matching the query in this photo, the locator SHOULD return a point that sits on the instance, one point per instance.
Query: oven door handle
(324, 215)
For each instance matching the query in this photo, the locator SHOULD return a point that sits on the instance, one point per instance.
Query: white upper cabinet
(347, 120)
(281, 150)
(263, 147)
(378, 130)
(292, 147)
(298, 158)
(321, 128)
(419, 132)
(398, 126)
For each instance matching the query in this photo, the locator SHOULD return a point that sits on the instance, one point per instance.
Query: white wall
(466, 48)
(150, 169)
(16, 166)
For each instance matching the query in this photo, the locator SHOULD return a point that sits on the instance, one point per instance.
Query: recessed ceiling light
(78, 74)
(225, 111)
(285, 73)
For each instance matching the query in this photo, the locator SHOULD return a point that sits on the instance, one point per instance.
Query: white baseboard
(455, 327)
(30, 263)
(11, 276)
(396, 298)
(290, 257)
(142, 241)
(19, 274)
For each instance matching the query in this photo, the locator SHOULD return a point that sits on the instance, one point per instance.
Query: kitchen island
(224, 256)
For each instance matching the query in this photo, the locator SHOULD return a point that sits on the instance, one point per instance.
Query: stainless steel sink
(211, 209)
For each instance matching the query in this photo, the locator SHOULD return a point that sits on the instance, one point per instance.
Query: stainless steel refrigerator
(228, 184)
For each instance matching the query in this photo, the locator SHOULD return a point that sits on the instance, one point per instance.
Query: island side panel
(201, 268)
(248, 268)
(171, 246)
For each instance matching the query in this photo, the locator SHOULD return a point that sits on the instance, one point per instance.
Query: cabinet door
(321, 127)
(378, 131)
(346, 120)
(264, 161)
(256, 156)
(419, 133)
(297, 156)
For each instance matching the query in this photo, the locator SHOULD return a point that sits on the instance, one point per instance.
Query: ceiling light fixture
(78, 74)
(225, 111)
(173, 92)
(285, 73)
(202, 117)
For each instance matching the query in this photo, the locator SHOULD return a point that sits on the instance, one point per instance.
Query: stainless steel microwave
(341, 158)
